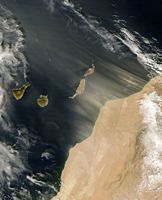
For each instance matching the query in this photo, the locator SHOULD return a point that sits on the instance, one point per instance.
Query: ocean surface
(51, 43)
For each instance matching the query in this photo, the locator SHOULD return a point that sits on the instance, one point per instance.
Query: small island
(80, 89)
(42, 101)
(90, 70)
(18, 93)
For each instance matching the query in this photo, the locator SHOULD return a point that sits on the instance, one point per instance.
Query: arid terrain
(121, 160)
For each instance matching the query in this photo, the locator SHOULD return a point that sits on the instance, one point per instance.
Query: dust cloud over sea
(51, 44)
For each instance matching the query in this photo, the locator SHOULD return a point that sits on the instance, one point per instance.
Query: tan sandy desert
(122, 159)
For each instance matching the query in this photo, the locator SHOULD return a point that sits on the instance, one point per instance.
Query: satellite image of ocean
(64, 59)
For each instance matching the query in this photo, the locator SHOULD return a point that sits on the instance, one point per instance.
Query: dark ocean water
(60, 42)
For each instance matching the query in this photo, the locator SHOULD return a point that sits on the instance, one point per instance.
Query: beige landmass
(90, 70)
(114, 163)
(80, 89)
(42, 101)
(18, 93)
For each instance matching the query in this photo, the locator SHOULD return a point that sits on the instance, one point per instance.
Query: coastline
(109, 163)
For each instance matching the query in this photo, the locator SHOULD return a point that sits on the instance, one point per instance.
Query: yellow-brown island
(18, 93)
(80, 89)
(42, 101)
(90, 70)
(122, 159)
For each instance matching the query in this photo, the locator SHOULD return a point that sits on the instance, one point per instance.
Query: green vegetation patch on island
(42, 101)
(18, 93)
